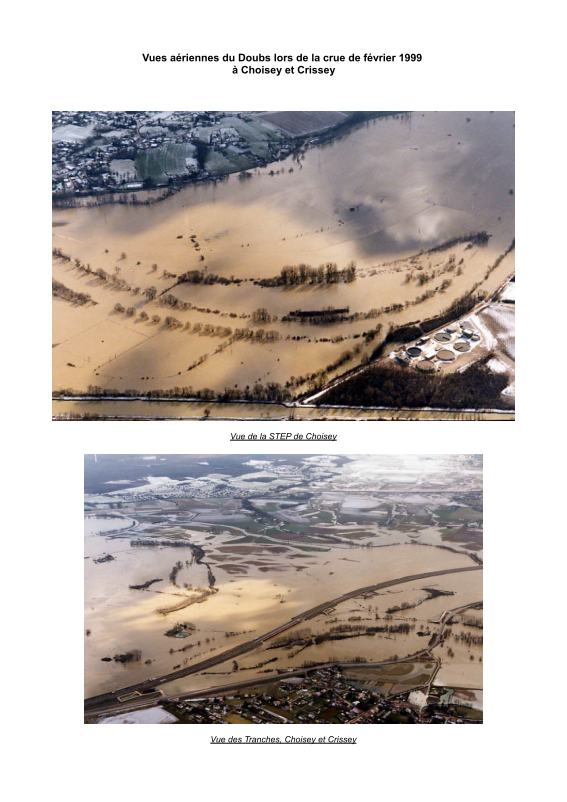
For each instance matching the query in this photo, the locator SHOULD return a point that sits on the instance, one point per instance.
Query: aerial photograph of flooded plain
(304, 265)
(238, 589)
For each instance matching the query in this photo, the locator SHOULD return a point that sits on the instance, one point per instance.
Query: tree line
(412, 331)
(272, 392)
(59, 289)
(294, 275)
(392, 386)
(202, 277)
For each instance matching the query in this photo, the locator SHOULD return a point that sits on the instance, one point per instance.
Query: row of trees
(59, 289)
(183, 306)
(479, 238)
(270, 392)
(319, 378)
(102, 274)
(248, 335)
(425, 276)
(499, 259)
(293, 275)
(392, 386)
(202, 277)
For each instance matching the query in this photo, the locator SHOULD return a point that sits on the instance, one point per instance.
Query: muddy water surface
(391, 187)
(376, 195)
(122, 619)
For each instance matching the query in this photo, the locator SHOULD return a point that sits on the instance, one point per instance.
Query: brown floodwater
(378, 194)
(390, 187)
(122, 619)
(467, 589)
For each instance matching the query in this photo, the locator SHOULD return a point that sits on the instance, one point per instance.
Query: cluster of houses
(323, 696)
(95, 152)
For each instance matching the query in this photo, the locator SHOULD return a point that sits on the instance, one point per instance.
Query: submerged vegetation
(59, 289)
(294, 275)
(285, 538)
(264, 267)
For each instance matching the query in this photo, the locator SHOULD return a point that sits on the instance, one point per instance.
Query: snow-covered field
(497, 366)
(151, 715)
(72, 133)
(509, 292)
(100, 525)
(124, 169)
(500, 321)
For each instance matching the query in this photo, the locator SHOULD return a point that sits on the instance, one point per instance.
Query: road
(259, 682)
(189, 409)
(134, 408)
(112, 698)
(308, 400)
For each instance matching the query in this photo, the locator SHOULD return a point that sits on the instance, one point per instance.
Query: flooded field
(383, 196)
(234, 556)
(365, 614)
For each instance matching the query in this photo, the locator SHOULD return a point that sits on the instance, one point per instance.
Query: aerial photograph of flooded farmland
(285, 265)
(238, 589)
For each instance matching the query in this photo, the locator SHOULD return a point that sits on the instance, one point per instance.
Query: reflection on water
(389, 187)
(249, 543)
(121, 619)
(377, 195)
(99, 524)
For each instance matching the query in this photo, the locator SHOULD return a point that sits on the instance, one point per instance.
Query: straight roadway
(221, 690)
(112, 698)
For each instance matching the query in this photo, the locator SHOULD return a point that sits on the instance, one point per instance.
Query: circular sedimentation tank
(445, 355)
(413, 351)
(462, 347)
(475, 338)
(443, 337)
(425, 365)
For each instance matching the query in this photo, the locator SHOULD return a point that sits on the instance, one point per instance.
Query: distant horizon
(310, 564)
